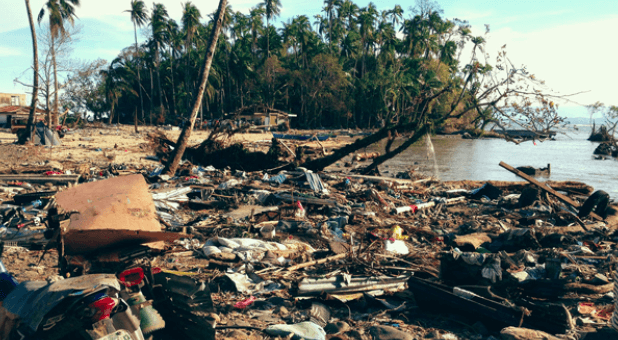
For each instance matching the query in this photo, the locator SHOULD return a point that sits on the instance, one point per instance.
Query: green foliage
(350, 66)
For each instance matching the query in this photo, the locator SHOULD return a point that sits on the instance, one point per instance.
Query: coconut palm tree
(329, 8)
(348, 11)
(240, 27)
(255, 23)
(174, 42)
(395, 14)
(158, 22)
(35, 90)
(139, 16)
(190, 23)
(272, 9)
(59, 11)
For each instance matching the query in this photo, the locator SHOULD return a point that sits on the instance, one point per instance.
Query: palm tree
(303, 33)
(272, 9)
(348, 11)
(330, 10)
(190, 23)
(139, 16)
(320, 25)
(59, 11)
(25, 137)
(395, 14)
(240, 28)
(255, 23)
(111, 90)
(174, 41)
(158, 22)
(366, 20)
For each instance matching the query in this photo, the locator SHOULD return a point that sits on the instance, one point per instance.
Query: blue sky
(564, 42)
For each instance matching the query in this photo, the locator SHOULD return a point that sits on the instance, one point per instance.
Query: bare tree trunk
(54, 119)
(158, 71)
(111, 115)
(183, 139)
(24, 138)
(135, 120)
(151, 95)
(47, 108)
(173, 104)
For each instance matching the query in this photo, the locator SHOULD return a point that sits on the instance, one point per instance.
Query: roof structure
(17, 109)
(259, 110)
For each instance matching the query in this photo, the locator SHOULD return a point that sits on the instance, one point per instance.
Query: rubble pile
(339, 256)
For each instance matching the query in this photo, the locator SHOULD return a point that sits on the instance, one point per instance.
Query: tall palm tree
(158, 22)
(272, 9)
(255, 24)
(330, 11)
(59, 11)
(35, 90)
(190, 23)
(139, 16)
(396, 14)
(174, 41)
(366, 20)
(303, 34)
(240, 28)
(348, 11)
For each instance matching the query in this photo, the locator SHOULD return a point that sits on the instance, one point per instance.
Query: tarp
(45, 136)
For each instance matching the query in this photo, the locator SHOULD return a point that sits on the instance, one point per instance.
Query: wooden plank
(544, 187)
(36, 178)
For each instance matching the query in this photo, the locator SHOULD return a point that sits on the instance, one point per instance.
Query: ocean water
(570, 156)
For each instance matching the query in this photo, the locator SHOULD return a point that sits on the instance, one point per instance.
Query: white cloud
(9, 51)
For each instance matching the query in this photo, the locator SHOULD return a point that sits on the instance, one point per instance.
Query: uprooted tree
(605, 133)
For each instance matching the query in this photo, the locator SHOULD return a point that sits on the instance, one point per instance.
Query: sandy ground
(121, 145)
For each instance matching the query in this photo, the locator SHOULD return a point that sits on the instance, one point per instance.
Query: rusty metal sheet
(116, 203)
(115, 211)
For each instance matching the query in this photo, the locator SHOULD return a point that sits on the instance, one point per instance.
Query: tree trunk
(267, 40)
(47, 108)
(183, 139)
(161, 118)
(188, 83)
(50, 114)
(173, 104)
(135, 120)
(139, 78)
(111, 114)
(151, 95)
(25, 137)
